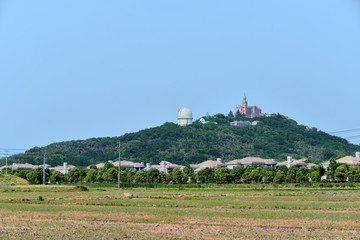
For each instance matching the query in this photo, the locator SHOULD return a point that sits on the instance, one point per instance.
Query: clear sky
(87, 68)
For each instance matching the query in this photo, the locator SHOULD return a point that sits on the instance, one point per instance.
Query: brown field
(228, 212)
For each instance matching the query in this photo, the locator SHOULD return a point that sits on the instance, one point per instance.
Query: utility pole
(44, 171)
(6, 158)
(119, 165)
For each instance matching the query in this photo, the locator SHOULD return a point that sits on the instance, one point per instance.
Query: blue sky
(80, 69)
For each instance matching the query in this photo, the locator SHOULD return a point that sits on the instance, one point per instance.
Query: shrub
(81, 188)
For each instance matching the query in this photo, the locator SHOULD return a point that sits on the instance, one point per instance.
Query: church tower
(244, 106)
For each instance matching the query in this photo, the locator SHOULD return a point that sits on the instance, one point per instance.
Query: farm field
(211, 212)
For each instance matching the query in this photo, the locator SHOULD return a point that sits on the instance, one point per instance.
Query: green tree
(204, 175)
(352, 174)
(179, 176)
(332, 167)
(169, 176)
(302, 174)
(57, 177)
(246, 176)
(91, 175)
(93, 166)
(108, 165)
(36, 176)
(268, 174)
(100, 176)
(223, 175)
(140, 177)
(83, 172)
(153, 175)
(230, 115)
(255, 175)
(189, 171)
(130, 175)
(291, 174)
(341, 173)
(279, 177)
(315, 176)
(74, 175)
(283, 168)
(111, 175)
(22, 173)
(237, 172)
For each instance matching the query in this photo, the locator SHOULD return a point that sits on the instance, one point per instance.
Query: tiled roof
(24, 165)
(250, 160)
(208, 163)
(127, 164)
(60, 168)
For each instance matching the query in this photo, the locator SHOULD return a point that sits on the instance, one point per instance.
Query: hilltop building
(184, 116)
(252, 111)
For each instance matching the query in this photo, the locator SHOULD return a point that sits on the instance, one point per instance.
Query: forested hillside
(274, 137)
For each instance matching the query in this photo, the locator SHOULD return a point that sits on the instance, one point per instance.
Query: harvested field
(229, 212)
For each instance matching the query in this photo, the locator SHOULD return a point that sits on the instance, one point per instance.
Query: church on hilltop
(250, 112)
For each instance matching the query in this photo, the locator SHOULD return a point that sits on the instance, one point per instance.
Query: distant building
(346, 160)
(208, 164)
(166, 166)
(251, 161)
(26, 166)
(130, 165)
(123, 164)
(297, 163)
(249, 112)
(184, 116)
(63, 169)
(240, 123)
(252, 111)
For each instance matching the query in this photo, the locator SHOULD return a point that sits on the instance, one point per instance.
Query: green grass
(11, 180)
(211, 209)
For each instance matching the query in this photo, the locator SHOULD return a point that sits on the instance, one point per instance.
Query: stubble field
(215, 212)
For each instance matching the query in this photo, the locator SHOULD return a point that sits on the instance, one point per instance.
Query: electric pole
(119, 165)
(44, 171)
(6, 158)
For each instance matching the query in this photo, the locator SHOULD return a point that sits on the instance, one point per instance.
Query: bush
(81, 188)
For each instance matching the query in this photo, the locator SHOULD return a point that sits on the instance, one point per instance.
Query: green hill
(274, 137)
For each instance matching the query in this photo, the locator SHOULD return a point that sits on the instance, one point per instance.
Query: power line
(356, 136)
(19, 149)
(345, 131)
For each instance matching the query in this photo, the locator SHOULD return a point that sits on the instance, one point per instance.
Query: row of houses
(165, 166)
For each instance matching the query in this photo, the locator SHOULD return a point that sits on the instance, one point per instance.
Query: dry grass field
(215, 212)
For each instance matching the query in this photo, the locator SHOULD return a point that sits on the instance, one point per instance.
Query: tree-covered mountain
(273, 137)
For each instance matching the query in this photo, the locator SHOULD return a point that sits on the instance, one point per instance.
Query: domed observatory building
(184, 116)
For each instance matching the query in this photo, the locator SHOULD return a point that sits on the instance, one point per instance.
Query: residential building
(208, 164)
(346, 160)
(251, 161)
(165, 166)
(297, 163)
(63, 169)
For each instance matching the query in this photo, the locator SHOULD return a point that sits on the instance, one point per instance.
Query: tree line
(249, 174)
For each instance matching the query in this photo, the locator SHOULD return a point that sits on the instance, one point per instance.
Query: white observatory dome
(184, 116)
(185, 113)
